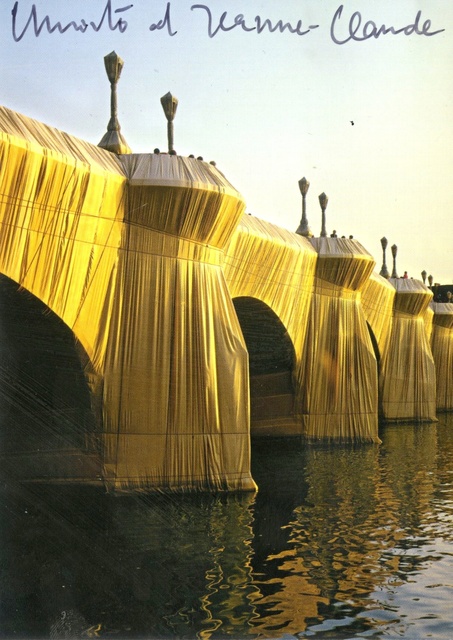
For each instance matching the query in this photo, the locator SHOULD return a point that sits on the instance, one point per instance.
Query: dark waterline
(344, 542)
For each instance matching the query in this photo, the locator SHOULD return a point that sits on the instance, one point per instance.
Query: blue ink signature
(359, 33)
(165, 22)
(106, 19)
(356, 29)
(260, 24)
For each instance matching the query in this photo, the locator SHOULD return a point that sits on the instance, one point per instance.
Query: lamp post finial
(303, 228)
(323, 200)
(169, 105)
(113, 140)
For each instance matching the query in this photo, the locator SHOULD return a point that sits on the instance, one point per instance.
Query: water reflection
(339, 542)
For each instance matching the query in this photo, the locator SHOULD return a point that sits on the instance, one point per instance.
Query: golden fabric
(339, 378)
(176, 381)
(142, 257)
(442, 349)
(377, 296)
(408, 378)
(428, 318)
(61, 224)
(128, 252)
(275, 266)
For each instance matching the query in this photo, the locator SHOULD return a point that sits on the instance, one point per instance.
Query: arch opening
(271, 365)
(374, 342)
(47, 426)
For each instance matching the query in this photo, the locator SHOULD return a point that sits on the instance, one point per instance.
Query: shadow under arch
(271, 365)
(377, 355)
(47, 425)
(374, 342)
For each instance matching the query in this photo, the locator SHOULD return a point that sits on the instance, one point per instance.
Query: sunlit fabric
(176, 384)
(197, 324)
(267, 263)
(128, 252)
(377, 297)
(62, 211)
(428, 318)
(339, 379)
(442, 349)
(408, 378)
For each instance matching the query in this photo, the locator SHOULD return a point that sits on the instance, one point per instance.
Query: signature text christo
(344, 26)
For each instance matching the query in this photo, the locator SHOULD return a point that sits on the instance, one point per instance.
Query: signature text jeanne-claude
(343, 29)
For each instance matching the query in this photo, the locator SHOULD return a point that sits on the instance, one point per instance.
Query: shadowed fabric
(339, 378)
(266, 263)
(428, 318)
(408, 378)
(442, 349)
(127, 251)
(176, 382)
(62, 210)
(377, 298)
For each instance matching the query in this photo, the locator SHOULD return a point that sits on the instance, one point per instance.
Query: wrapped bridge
(191, 324)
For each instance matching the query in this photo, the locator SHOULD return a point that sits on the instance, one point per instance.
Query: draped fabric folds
(144, 258)
(428, 319)
(61, 215)
(267, 263)
(127, 251)
(377, 296)
(176, 383)
(339, 379)
(408, 377)
(442, 349)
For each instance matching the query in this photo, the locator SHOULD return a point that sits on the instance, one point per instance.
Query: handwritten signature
(260, 24)
(341, 32)
(358, 32)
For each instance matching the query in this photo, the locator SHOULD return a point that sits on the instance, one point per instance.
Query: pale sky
(269, 108)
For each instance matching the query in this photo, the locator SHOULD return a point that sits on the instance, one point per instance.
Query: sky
(364, 113)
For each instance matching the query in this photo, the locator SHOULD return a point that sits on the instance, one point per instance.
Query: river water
(339, 542)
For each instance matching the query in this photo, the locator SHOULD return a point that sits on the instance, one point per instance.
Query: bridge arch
(271, 365)
(47, 424)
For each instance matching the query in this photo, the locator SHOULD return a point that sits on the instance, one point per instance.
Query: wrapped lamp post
(323, 200)
(169, 104)
(384, 272)
(113, 140)
(304, 229)
(394, 252)
(424, 274)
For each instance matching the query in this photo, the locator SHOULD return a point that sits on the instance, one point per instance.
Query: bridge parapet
(412, 296)
(443, 314)
(342, 262)
(182, 197)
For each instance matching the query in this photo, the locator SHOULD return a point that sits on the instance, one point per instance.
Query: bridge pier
(338, 388)
(408, 376)
(175, 390)
(127, 251)
(442, 350)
